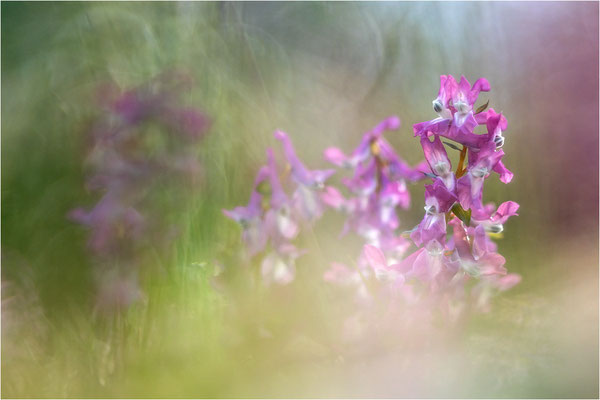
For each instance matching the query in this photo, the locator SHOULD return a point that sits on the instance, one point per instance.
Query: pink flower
(383, 271)
(438, 160)
(314, 179)
(438, 201)
(454, 106)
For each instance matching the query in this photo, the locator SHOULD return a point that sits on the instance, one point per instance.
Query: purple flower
(279, 218)
(306, 198)
(379, 184)
(314, 179)
(132, 107)
(495, 123)
(426, 263)
(442, 103)
(191, 123)
(334, 199)
(250, 217)
(363, 151)
(127, 162)
(454, 105)
(463, 100)
(481, 163)
(483, 260)
(379, 264)
(438, 160)
(111, 223)
(494, 220)
(438, 201)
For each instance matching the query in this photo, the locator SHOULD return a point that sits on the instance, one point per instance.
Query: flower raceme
(454, 199)
(454, 241)
(272, 219)
(378, 187)
(143, 140)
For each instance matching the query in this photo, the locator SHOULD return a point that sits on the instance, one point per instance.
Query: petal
(505, 175)
(508, 281)
(463, 190)
(389, 124)
(439, 191)
(505, 210)
(492, 264)
(480, 241)
(308, 203)
(338, 273)
(480, 85)
(406, 265)
(375, 257)
(286, 225)
(336, 156)
(437, 126)
(436, 156)
(333, 198)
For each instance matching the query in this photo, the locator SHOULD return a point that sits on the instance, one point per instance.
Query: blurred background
(325, 73)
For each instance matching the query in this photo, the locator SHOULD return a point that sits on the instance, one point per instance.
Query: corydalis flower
(454, 105)
(113, 224)
(310, 183)
(272, 220)
(144, 138)
(438, 201)
(383, 271)
(435, 275)
(363, 151)
(250, 216)
(455, 199)
(437, 158)
(378, 187)
(378, 184)
(268, 213)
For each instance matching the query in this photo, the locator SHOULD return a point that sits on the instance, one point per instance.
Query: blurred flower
(378, 184)
(142, 140)
(272, 220)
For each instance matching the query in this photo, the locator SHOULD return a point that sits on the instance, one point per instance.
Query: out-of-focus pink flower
(280, 266)
(313, 179)
(306, 197)
(383, 272)
(127, 161)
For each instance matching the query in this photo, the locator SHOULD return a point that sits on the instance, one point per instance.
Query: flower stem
(460, 170)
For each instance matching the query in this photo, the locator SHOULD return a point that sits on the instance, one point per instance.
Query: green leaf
(482, 107)
(452, 146)
(462, 214)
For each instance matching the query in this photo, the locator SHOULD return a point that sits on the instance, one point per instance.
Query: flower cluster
(272, 218)
(143, 140)
(456, 264)
(444, 262)
(378, 189)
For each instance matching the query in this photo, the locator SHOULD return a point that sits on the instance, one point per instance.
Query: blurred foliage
(324, 72)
